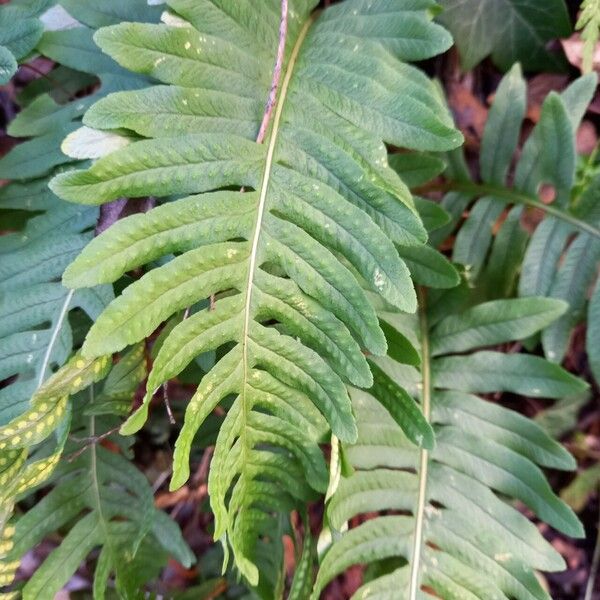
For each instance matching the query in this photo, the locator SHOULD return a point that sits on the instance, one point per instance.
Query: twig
(55, 83)
(201, 474)
(167, 404)
(90, 441)
(161, 479)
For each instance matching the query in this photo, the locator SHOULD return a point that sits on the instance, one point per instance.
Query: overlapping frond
(450, 521)
(560, 258)
(20, 30)
(287, 257)
(97, 494)
(22, 469)
(35, 330)
(40, 320)
(112, 506)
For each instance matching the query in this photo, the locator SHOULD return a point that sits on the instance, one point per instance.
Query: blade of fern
(510, 429)
(524, 481)
(499, 142)
(577, 97)
(542, 256)
(8, 65)
(504, 263)
(33, 158)
(416, 168)
(28, 195)
(593, 332)
(111, 11)
(501, 133)
(576, 274)
(44, 115)
(303, 574)
(429, 267)
(75, 48)
(487, 371)
(64, 560)
(465, 495)
(432, 214)
(494, 323)
(402, 408)
(475, 235)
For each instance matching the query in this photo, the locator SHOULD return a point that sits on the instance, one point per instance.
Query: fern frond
(589, 25)
(559, 259)
(318, 220)
(455, 531)
(49, 412)
(114, 510)
(35, 333)
(37, 314)
(110, 499)
(20, 31)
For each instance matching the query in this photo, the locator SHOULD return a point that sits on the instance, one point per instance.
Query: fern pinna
(284, 258)
(450, 532)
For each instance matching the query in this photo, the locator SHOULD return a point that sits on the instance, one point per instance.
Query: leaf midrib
(415, 573)
(260, 214)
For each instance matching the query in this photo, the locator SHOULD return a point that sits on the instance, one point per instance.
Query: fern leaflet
(319, 217)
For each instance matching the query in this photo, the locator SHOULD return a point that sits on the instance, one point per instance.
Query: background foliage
(318, 375)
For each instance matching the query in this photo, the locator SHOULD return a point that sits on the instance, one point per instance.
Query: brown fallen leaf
(573, 48)
(538, 89)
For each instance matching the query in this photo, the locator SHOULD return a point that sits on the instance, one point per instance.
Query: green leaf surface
(526, 28)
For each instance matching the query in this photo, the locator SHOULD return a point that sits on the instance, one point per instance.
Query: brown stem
(168, 404)
(272, 99)
(262, 132)
(53, 81)
(89, 442)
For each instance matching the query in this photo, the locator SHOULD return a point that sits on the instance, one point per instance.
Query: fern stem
(414, 584)
(271, 100)
(94, 475)
(265, 186)
(508, 195)
(54, 337)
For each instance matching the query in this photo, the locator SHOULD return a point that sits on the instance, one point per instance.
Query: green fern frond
(456, 534)
(113, 507)
(35, 332)
(20, 31)
(589, 25)
(318, 220)
(559, 259)
(20, 469)
(38, 316)
(110, 499)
